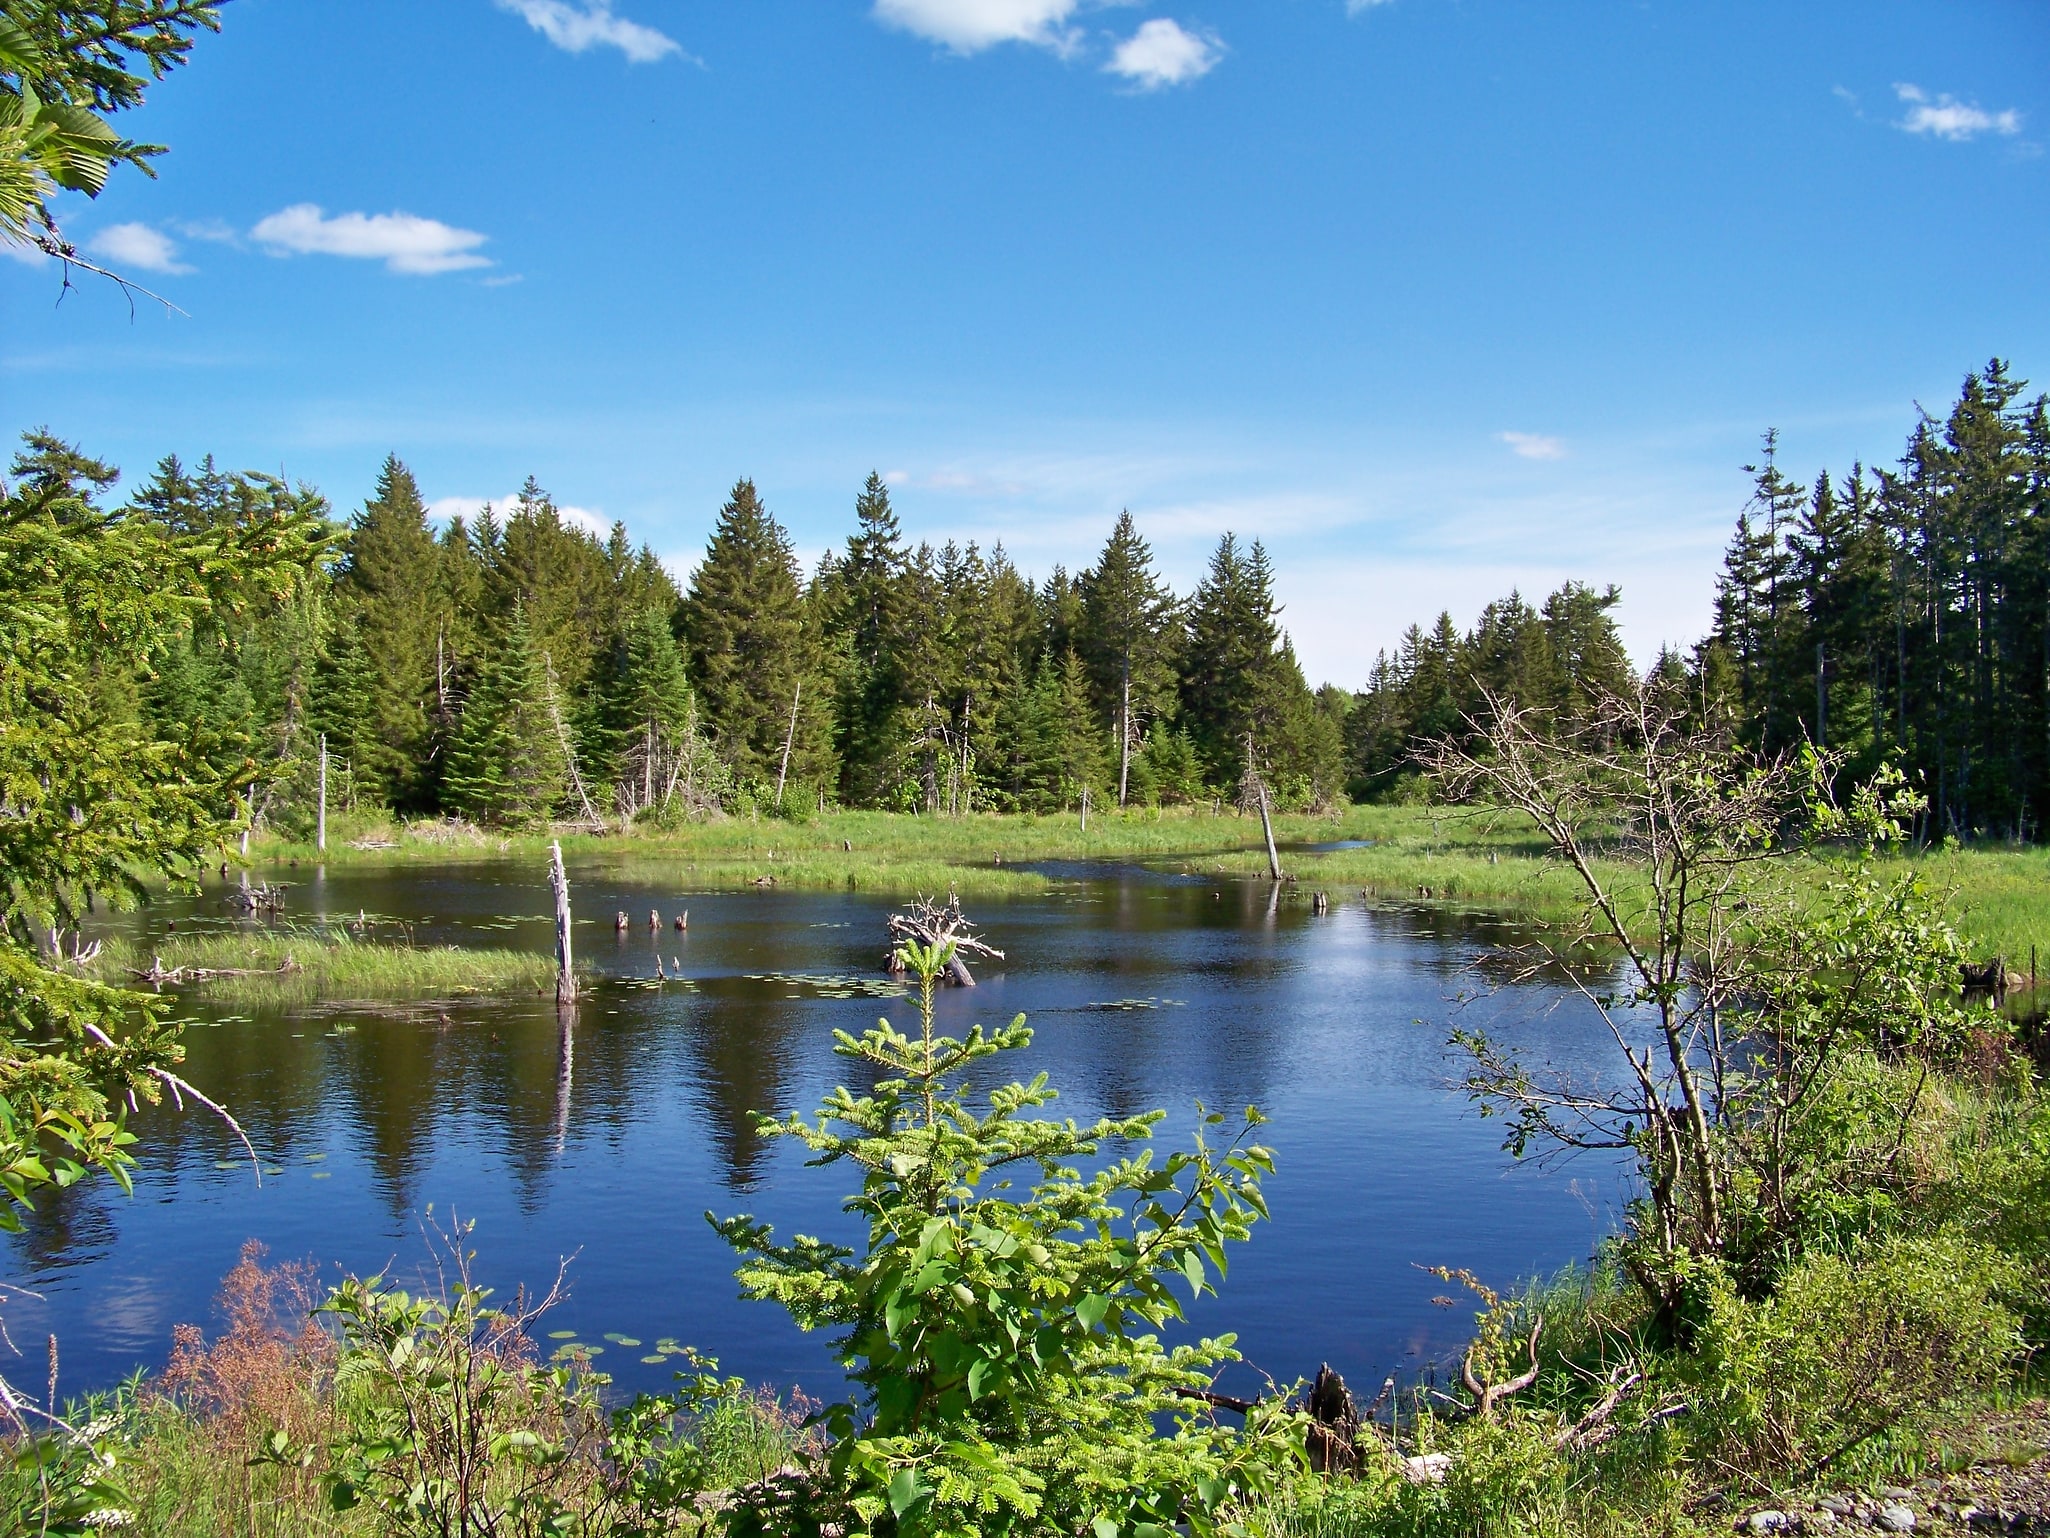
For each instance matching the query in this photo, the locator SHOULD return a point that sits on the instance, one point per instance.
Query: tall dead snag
(931, 923)
(1252, 795)
(558, 882)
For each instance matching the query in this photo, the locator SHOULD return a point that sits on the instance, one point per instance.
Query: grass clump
(304, 966)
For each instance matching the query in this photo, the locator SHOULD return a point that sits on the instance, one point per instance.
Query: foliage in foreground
(1003, 1344)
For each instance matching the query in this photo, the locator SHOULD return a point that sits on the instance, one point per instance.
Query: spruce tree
(1227, 682)
(389, 584)
(1129, 640)
(506, 763)
(743, 624)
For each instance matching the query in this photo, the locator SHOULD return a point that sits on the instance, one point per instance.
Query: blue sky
(1435, 296)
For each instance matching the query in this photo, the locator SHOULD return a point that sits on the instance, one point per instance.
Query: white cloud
(441, 509)
(28, 256)
(576, 27)
(1360, 7)
(403, 242)
(969, 26)
(137, 245)
(1534, 445)
(1945, 117)
(217, 230)
(1163, 53)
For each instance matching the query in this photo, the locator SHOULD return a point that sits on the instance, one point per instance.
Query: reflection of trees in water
(67, 1228)
(742, 1047)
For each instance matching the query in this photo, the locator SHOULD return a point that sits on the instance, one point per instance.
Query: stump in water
(683, 921)
(1333, 1436)
(932, 923)
(620, 922)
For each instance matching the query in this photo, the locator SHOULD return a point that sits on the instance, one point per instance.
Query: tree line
(516, 666)
(1895, 615)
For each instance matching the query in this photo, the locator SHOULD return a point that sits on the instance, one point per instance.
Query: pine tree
(389, 583)
(1129, 639)
(1227, 681)
(506, 762)
(1587, 659)
(645, 707)
(743, 623)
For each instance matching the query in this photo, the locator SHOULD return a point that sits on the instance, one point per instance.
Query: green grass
(328, 965)
(2001, 895)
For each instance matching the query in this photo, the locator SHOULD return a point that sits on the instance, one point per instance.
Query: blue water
(1142, 993)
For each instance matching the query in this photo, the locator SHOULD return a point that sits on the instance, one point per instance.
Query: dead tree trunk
(320, 835)
(789, 737)
(558, 880)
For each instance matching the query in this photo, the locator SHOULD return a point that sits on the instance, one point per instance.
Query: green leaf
(905, 1491)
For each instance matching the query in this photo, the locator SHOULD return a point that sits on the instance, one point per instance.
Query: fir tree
(1129, 640)
(389, 584)
(743, 622)
(506, 762)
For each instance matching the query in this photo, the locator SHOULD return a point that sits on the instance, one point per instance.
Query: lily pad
(562, 1334)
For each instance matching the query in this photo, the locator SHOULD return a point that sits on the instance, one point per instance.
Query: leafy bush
(1003, 1345)
(1846, 1348)
(445, 1424)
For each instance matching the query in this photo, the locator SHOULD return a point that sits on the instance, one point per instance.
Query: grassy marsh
(2000, 901)
(328, 965)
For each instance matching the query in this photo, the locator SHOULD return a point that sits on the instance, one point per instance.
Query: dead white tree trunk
(565, 975)
(789, 737)
(320, 836)
(569, 751)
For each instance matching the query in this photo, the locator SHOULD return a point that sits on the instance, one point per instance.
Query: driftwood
(1487, 1395)
(263, 898)
(1340, 1434)
(156, 974)
(942, 926)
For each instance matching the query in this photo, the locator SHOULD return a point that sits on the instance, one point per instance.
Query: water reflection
(610, 1129)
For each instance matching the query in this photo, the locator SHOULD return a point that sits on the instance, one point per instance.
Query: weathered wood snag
(1334, 1431)
(931, 923)
(565, 972)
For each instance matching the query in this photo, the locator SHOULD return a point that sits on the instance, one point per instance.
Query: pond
(1143, 989)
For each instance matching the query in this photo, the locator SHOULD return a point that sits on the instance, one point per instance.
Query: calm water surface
(1143, 991)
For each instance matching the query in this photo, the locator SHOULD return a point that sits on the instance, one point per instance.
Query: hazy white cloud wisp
(138, 246)
(1945, 117)
(1163, 53)
(403, 242)
(574, 28)
(969, 26)
(1534, 445)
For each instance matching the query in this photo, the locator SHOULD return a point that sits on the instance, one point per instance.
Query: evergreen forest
(517, 667)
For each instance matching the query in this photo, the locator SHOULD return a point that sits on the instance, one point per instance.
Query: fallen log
(157, 974)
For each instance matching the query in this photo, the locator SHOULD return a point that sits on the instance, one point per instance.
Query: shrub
(1848, 1347)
